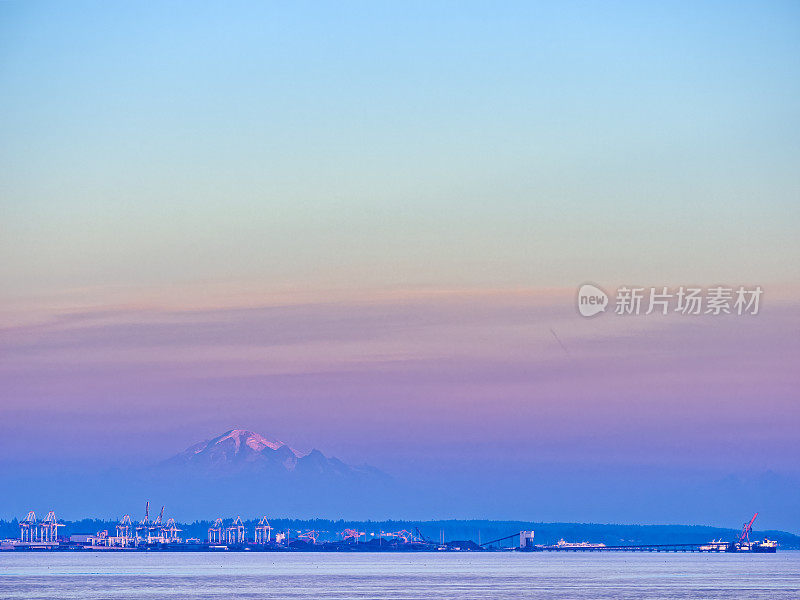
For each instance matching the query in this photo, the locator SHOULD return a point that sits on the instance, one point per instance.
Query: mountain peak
(244, 437)
(242, 452)
(235, 449)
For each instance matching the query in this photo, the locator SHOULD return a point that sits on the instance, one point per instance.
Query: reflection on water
(395, 576)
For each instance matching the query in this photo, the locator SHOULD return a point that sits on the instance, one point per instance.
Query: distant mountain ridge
(244, 452)
(248, 472)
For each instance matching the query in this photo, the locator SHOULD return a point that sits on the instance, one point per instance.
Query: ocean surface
(409, 576)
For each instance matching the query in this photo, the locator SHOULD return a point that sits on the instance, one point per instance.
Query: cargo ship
(577, 545)
(743, 544)
(764, 546)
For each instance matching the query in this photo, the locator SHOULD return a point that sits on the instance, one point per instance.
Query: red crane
(745, 535)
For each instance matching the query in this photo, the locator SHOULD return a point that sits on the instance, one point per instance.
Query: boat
(743, 544)
(765, 546)
(578, 545)
(715, 546)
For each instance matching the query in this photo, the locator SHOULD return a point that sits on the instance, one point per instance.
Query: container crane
(154, 529)
(49, 528)
(124, 530)
(235, 533)
(215, 532)
(263, 531)
(27, 528)
(170, 531)
(144, 524)
(351, 535)
(309, 536)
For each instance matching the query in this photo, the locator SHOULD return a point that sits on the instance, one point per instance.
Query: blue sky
(374, 145)
(259, 215)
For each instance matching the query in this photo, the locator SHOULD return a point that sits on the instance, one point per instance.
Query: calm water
(413, 576)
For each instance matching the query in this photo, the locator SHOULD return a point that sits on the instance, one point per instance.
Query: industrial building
(156, 534)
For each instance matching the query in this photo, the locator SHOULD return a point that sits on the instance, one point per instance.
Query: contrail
(560, 343)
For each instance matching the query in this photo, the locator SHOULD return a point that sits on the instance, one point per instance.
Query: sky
(361, 227)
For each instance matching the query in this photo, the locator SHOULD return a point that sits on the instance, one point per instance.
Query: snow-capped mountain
(243, 471)
(240, 451)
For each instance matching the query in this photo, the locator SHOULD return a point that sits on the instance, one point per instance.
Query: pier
(624, 548)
